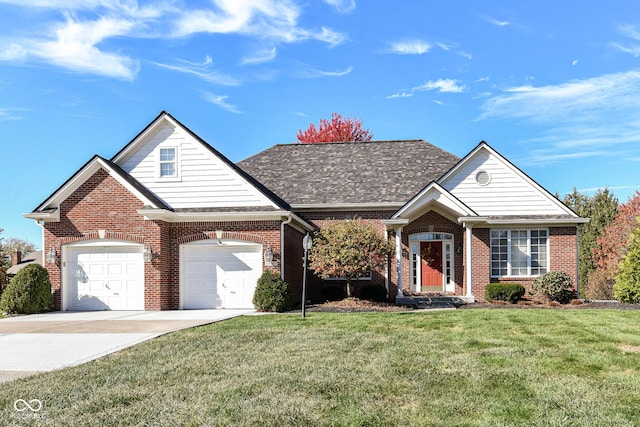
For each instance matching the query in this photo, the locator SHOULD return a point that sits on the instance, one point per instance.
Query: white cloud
(410, 47)
(74, 47)
(574, 99)
(12, 52)
(441, 85)
(8, 115)
(259, 57)
(584, 118)
(201, 71)
(312, 72)
(630, 32)
(342, 6)
(267, 19)
(402, 94)
(221, 101)
(496, 22)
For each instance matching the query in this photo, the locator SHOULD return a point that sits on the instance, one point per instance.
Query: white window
(519, 252)
(168, 162)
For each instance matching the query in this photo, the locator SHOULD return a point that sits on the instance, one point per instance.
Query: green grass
(467, 367)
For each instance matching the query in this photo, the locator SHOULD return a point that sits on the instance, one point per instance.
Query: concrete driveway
(48, 341)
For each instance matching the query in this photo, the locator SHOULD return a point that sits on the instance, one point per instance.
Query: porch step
(431, 301)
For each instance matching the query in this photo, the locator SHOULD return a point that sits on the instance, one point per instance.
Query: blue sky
(554, 88)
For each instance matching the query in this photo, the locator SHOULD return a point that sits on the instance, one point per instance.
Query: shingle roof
(352, 172)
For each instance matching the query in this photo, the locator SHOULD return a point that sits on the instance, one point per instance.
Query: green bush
(555, 285)
(272, 293)
(511, 292)
(374, 293)
(28, 292)
(627, 282)
(333, 293)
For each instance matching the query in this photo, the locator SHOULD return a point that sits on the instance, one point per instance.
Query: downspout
(578, 227)
(282, 224)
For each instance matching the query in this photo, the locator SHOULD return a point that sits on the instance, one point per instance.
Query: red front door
(431, 266)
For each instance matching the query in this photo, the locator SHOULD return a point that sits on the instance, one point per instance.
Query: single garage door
(219, 275)
(105, 277)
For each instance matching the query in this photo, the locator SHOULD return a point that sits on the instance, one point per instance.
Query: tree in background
(602, 209)
(12, 245)
(627, 283)
(612, 248)
(339, 129)
(348, 250)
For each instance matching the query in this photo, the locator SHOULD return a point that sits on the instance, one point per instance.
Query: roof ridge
(376, 141)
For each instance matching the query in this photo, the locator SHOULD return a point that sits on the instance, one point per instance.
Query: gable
(491, 186)
(204, 178)
(49, 210)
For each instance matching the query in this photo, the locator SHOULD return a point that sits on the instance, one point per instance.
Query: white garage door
(104, 278)
(219, 276)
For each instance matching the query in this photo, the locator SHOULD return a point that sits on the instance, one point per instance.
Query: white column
(398, 231)
(469, 254)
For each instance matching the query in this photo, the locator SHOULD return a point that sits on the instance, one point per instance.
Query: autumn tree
(612, 248)
(339, 129)
(348, 250)
(601, 209)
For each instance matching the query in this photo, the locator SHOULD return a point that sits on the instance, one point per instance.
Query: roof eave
(170, 216)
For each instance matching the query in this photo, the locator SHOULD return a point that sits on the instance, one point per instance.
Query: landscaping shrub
(600, 285)
(272, 293)
(28, 292)
(511, 292)
(333, 293)
(555, 285)
(375, 293)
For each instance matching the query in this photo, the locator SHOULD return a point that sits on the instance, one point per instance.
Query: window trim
(159, 163)
(509, 258)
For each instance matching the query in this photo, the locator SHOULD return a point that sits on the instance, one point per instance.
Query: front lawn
(467, 367)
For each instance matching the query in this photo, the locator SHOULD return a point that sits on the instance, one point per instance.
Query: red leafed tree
(614, 239)
(339, 129)
(612, 249)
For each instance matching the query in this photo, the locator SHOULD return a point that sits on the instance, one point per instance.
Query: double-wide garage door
(219, 275)
(106, 277)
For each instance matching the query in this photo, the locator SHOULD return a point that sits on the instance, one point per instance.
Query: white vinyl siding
(202, 179)
(168, 162)
(506, 193)
(519, 253)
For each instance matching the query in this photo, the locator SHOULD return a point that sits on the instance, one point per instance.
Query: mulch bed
(355, 305)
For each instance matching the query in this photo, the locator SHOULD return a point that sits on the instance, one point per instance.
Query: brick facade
(101, 208)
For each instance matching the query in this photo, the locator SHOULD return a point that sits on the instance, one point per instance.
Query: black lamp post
(307, 242)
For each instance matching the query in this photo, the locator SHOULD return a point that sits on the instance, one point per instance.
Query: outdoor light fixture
(147, 254)
(219, 236)
(268, 256)
(52, 255)
(459, 248)
(307, 243)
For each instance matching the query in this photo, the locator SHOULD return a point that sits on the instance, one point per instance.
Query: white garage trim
(219, 275)
(102, 275)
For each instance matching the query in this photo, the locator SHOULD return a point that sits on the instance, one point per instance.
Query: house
(18, 261)
(170, 223)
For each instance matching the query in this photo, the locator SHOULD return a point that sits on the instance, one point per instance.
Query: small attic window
(168, 167)
(483, 178)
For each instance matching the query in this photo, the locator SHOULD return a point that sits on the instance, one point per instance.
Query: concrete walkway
(48, 341)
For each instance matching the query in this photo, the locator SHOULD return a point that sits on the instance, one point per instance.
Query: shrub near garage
(555, 285)
(511, 292)
(272, 293)
(28, 292)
